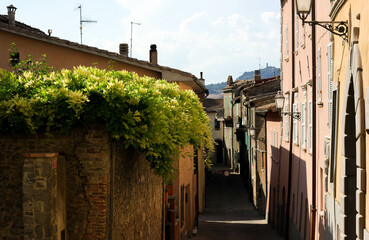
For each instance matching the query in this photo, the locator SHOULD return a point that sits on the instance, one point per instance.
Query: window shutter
(303, 125)
(310, 126)
(297, 32)
(225, 107)
(319, 67)
(295, 125)
(330, 82)
(287, 118)
(286, 41)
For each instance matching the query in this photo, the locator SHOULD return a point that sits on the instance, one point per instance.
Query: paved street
(229, 214)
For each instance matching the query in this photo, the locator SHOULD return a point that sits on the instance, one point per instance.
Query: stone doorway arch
(353, 148)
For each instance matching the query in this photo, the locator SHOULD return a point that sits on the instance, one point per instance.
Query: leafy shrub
(153, 116)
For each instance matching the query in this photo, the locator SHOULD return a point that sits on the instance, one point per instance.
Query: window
(319, 68)
(286, 33)
(230, 106)
(303, 121)
(297, 32)
(225, 106)
(295, 121)
(310, 126)
(330, 81)
(333, 140)
(287, 118)
(216, 124)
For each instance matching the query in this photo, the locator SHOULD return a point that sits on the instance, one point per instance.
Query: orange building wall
(60, 57)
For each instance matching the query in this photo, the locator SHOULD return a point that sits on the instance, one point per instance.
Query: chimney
(123, 49)
(257, 75)
(229, 81)
(201, 79)
(153, 54)
(11, 15)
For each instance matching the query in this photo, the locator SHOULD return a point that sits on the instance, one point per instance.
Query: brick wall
(137, 194)
(138, 197)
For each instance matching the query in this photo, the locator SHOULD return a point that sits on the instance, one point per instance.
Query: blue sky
(216, 37)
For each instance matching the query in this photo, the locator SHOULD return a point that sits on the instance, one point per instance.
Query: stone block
(40, 183)
(359, 117)
(39, 206)
(28, 220)
(360, 202)
(42, 218)
(347, 183)
(360, 179)
(359, 226)
(360, 151)
(39, 231)
(348, 166)
(366, 235)
(348, 149)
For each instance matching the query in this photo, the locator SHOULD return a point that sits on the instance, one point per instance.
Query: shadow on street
(229, 214)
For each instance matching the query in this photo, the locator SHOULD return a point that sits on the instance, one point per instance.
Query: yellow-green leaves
(153, 116)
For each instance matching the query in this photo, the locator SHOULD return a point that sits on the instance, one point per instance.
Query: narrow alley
(229, 214)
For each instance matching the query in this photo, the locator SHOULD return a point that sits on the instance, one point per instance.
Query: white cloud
(193, 18)
(269, 17)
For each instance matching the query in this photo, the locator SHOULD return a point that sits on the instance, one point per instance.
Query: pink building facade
(305, 65)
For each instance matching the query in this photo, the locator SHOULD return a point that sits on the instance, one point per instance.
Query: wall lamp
(340, 28)
(252, 131)
(279, 103)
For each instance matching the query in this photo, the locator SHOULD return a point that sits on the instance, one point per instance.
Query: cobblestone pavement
(229, 214)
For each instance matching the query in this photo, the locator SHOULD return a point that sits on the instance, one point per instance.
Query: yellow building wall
(357, 14)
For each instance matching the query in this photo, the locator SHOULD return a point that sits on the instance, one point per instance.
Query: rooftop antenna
(131, 33)
(259, 62)
(81, 21)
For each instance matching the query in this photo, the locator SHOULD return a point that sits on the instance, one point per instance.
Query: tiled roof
(28, 31)
(20, 25)
(212, 105)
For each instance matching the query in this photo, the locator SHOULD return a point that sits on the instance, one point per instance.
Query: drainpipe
(287, 220)
(313, 206)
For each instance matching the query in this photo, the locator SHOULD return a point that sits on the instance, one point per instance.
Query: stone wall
(137, 197)
(39, 196)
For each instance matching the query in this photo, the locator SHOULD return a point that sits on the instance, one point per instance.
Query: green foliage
(153, 116)
(29, 64)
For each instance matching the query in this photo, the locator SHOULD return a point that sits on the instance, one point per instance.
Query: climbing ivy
(153, 116)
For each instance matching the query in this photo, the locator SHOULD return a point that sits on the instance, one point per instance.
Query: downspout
(163, 213)
(313, 207)
(232, 167)
(266, 167)
(287, 220)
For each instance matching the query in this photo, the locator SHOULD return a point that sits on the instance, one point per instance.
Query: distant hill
(267, 72)
(215, 89)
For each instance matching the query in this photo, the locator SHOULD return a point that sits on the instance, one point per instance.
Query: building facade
(28, 41)
(306, 72)
(346, 199)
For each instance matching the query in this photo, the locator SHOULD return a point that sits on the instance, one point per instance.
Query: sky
(216, 37)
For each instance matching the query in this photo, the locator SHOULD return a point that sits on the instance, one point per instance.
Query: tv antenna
(131, 33)
(81, 21)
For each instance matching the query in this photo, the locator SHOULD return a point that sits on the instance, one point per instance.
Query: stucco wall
(61, 57)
